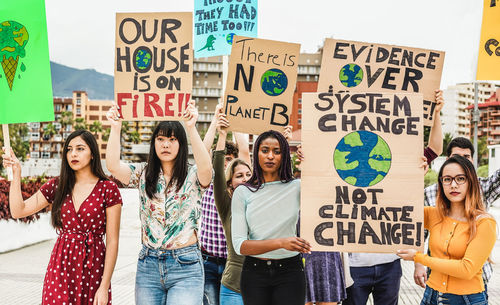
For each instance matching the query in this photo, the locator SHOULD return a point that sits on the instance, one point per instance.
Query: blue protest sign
(217, 21)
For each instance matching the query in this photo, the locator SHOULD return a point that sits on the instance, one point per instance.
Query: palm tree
(95, 127)
(80, 124)
(65, 119)
(446, 140)
(49, 131)
(105, 134)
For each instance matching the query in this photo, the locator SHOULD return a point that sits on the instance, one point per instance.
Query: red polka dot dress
(76, 265)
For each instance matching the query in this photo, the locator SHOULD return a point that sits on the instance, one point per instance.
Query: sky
(82, 33)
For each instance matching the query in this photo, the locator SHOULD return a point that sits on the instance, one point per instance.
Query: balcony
(207, 67)
(311, 70)
(203, 92)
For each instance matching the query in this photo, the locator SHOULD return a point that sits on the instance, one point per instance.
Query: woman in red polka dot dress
(85, 206)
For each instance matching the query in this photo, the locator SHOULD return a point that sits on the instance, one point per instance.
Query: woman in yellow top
(462, 236)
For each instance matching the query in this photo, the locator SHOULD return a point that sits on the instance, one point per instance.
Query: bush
(482, 171)
(28, 187)
(430, 178)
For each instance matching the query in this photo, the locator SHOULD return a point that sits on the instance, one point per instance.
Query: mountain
(65, 80)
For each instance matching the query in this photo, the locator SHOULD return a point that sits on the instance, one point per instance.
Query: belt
(213, 259)
(89, 238)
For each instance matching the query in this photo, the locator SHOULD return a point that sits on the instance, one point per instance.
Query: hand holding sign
(10, 161)
(113, 116)
(191, 114)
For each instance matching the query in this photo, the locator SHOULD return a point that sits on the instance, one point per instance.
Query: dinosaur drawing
(210, 44)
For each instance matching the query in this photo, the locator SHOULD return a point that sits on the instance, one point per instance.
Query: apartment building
(489, 121)
(455, 115)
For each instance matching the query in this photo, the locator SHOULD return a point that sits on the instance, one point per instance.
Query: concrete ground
(22, 271)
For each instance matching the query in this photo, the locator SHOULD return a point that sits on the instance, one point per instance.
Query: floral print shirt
(168, 219)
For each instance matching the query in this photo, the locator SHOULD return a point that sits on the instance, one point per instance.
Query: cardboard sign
(25, 81)
(361, 66)
(362, 185)
(216, 23)
(153, 65)
(488, 64)
(260, 84)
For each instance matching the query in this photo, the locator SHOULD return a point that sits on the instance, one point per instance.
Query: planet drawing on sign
(362, 158)
(273, 82)
(13, 39)
(229, 38)
(351, 75)
(143, 59)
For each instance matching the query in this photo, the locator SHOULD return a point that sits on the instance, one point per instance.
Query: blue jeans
(213, 276)
(382, 281)
(229, 297)
(169, 277)
(434, 297)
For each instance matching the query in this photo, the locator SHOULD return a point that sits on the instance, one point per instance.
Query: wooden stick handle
(6, 144)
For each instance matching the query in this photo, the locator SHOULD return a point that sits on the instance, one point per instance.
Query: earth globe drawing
(229, 38)
(142, 59)
(362, 158)
(274, 82)
(351, 75)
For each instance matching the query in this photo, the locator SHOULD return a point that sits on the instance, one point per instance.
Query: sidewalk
(22, 271)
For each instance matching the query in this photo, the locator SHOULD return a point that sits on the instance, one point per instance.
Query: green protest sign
(25, 82)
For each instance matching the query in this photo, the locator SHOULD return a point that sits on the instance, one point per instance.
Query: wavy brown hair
(231, 167)
(474, 205)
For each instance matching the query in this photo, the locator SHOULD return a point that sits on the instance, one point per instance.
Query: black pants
(273, 282)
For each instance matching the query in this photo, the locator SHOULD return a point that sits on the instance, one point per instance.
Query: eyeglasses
(459, 179)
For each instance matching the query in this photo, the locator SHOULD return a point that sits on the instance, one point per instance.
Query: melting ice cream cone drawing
(13, 40)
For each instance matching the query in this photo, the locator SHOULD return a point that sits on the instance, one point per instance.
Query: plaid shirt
(490, 187)
(212, 237)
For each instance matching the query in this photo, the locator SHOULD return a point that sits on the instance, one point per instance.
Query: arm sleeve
(113, 195)
(135, 176)
(427, 211)
(430, 194)
(48, 189)
(239, 226)
(429, 154)
(491, 188)
(222, 200)
(476, 254)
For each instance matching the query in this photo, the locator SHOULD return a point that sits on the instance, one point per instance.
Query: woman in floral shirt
(170, 268)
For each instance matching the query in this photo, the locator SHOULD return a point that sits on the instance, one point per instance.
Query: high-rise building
(489, 121)
(455, 116)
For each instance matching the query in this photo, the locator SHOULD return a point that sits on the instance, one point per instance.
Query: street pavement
(22, 271)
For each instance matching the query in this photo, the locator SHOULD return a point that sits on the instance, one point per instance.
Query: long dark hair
(285, 169)
(179, 173)
(473, 204)
(67, 177)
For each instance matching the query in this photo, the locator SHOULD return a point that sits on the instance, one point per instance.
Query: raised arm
(200, 153)
(221, 196)
(243, 147)
(436, 135)
(20, 208)
(118, 169)
(210, 135)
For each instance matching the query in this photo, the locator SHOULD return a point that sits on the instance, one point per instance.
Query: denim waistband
(166, 252)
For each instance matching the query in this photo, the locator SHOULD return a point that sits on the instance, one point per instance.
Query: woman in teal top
(264, 219)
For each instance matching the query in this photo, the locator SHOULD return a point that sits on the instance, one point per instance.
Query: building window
(69, 107)
(300, 101)
(57, 108)
(493, 153)
(78, 111)
(78, 101)
(300, 111)
(300, 121)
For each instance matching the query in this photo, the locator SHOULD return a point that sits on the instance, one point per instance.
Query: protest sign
(25, 81)
(362, 185)
(361, 66)
(153, 65)
(216, 23)
(260, 84)
(488, 65)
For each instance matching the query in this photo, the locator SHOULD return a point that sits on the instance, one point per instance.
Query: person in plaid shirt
(212, 238)
(490, 187)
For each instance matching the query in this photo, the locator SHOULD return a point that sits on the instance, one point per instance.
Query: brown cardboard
(161, 88)
(322, 206)
(385, 68)
(248, 108)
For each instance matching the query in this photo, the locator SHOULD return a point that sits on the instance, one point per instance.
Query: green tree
(446, 140)
(66, 118)
(482, 171)
(19, 140)
(48, 131)
(105, 134)
(80, 124)
(430, 178)
(482, 151)
(95, 127)
(134, 137)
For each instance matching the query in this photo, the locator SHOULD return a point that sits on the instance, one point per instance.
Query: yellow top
(456, 266)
